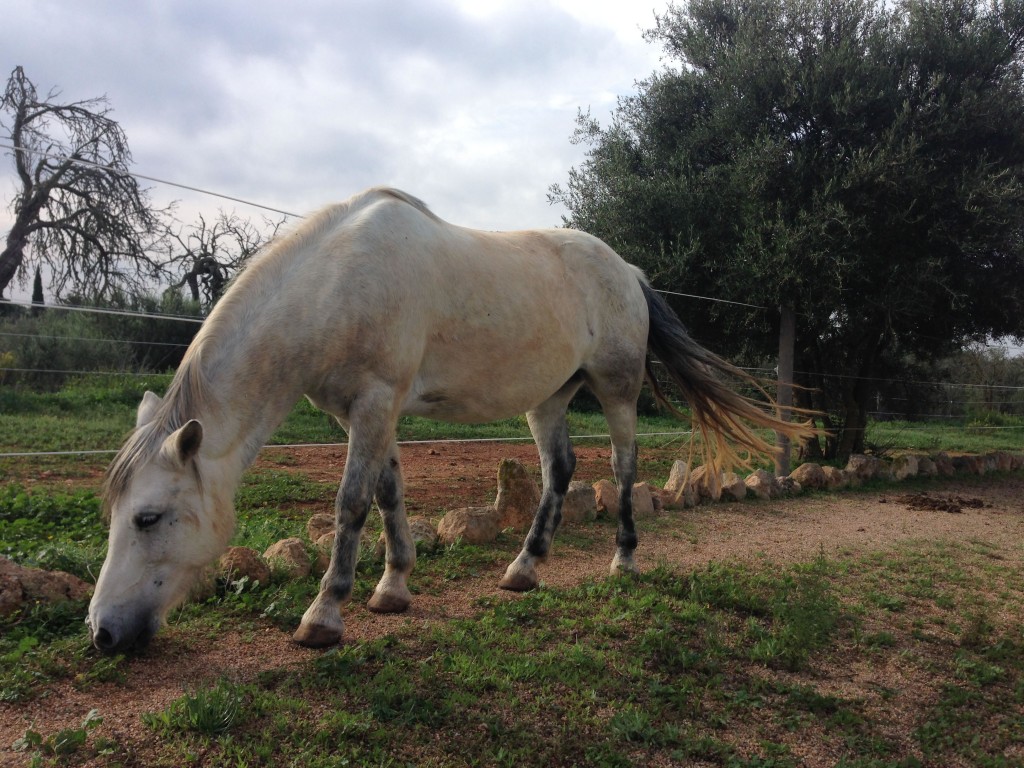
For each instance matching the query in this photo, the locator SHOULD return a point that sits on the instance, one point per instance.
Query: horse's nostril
(103, 640)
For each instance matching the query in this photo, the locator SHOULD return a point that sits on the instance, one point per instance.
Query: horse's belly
(486, 396)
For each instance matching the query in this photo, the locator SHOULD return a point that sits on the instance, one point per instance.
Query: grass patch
(974, 437)
(52, 528)
(728, 665)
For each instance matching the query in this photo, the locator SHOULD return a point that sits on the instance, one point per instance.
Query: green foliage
(50, 345)
(935, 435)
(262, 489)
(861, 163)
(56, 530)
(85, 414)
(62, 745)
(210, 712)
(665, 668)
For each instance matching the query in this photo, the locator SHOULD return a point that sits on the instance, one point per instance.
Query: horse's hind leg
(392, 594)
(551, 432)
(622, 426)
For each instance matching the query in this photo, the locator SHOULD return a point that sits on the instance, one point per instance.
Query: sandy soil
(445, 476)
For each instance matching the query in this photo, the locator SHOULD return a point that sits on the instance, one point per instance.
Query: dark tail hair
(721, 416)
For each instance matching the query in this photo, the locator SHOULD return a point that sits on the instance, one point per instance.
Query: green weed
(62, 745)
(211, 712)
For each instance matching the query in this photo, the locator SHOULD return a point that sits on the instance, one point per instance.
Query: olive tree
(860, 163)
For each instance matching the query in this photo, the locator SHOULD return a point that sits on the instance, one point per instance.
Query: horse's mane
(185, 395)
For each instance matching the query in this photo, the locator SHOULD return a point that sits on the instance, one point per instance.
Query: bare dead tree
(77, 209)
(208, 255)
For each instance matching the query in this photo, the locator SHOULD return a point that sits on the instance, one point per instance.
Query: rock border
(514, 508)
(687, 487)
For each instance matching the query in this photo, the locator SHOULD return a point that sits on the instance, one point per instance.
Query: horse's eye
(145, 520)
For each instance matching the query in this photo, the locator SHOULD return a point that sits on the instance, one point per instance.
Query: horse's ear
(147, 408)
(182, 444)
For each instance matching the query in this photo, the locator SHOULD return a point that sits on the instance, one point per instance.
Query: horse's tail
(721, 416)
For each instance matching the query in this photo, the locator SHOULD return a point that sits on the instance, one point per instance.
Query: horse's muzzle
(114, 635)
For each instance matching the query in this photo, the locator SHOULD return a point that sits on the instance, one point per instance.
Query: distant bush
(43, 348)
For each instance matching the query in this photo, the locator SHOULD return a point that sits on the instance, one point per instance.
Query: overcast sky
(468, 104)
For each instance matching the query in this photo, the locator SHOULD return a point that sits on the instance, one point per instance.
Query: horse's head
(165, 527)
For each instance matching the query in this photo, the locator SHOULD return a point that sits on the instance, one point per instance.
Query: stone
(733, 487)
(789, 487)
(643, 502)
(580, 505)
(678, 478)
(926, 467)
(518, 496)
(835, 479)
(424, 537)
(290, 556)
(868, 467)
(1016, 461)
(676, 499)
(679, 491)
(991, 461)
(325, 541)
(204, 587)
(705, 486)
(606, 497)
(656, 500)
(424, 533)
(471, 525)
(1004, 461)
(944, 464)
(810, 476)
(244, 562)
(968, 465)
(319, 524)
(763, 484)
(904, 466)
(324, 545)
(21, 586)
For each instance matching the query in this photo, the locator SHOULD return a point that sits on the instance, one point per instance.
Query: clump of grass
(209, 712)
(61, 746)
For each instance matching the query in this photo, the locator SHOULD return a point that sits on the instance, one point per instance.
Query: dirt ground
(444, 476)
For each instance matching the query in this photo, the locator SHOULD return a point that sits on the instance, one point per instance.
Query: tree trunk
(855, 420)
(11, 260)
(852, 438)
(787, 341)
(810, 447)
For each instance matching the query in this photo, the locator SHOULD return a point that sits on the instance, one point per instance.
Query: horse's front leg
(370, 438)
(322, 624)
(392, 593)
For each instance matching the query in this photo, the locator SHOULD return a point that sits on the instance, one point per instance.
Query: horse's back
(470, 325)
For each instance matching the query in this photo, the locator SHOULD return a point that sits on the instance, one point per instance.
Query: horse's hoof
(382, 602)
(317, 636)
(518, 582)
(623, 566)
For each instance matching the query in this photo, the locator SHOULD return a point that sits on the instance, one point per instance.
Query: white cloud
(467, 104)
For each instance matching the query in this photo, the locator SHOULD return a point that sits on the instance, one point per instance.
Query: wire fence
(932, 401)
(962, 397)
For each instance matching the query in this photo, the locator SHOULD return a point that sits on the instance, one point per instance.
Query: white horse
(375, 308)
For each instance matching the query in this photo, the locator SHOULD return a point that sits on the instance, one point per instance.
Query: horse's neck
(250, 387)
